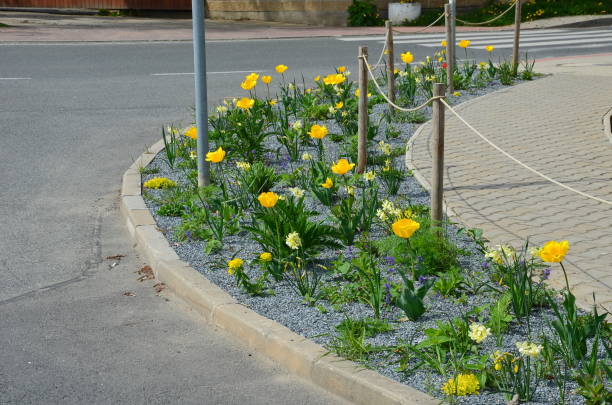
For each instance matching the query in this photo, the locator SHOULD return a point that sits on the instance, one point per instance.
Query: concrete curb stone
(295, 353)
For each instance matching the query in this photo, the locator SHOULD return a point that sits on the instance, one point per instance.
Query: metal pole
(201, 105)
(362, 110)
(453, 12)
(390, 63)
(450, 57)
(517, 35)
(437, 181)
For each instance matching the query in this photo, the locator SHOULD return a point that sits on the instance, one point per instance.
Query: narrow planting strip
(295, 353)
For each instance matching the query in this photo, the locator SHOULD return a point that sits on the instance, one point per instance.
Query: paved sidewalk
(39, 27)
(555, 125)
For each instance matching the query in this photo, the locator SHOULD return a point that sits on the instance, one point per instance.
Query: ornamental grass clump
(159, 183)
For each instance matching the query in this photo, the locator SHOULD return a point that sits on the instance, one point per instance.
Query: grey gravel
(286, 307)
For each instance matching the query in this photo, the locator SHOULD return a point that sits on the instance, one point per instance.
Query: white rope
(382, 93)
(423, 29)
(382, 53)
(509, 156)
(491, 20)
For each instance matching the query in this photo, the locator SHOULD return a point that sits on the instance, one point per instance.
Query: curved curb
(607, 122)
(295, 353)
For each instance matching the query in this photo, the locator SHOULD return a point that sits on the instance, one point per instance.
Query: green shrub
(363, 14)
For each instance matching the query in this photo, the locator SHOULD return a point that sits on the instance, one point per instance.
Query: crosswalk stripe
(463, 34)
(543, 39)
(488, 41)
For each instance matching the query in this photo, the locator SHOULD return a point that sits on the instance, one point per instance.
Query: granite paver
(555, 125)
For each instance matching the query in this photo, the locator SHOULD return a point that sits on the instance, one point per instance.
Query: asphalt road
(71, 125)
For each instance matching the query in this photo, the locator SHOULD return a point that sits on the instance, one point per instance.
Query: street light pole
(453, 26)
(201, 105)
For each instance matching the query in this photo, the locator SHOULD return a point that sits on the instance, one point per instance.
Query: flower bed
(353, 261)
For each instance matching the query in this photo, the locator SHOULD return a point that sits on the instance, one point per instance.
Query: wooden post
(390, 64)
(437, 181)
(450, 57)
(517, 35)
(363, 110)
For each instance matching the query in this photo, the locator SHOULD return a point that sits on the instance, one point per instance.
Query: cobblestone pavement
(555, 125)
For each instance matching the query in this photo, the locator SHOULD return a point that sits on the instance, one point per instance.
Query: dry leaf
(159, 287)
(129, 294)
(146, 273)
(115, 257)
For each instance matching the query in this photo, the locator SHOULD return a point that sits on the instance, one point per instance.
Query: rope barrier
(509, 156)
(382, 53)
(489, 21)
(382, 93)
(423, 29)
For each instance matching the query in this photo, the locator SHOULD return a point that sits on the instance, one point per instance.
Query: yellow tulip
(272, 102)
(248, 84)
(404, 228)
(268, 199)
(266, 79)
(329, 183)
(192, 133)
(334, 78)
(489, 48)
(357, 93)
(281, 68)
(339, 105)
(443, 43)
(318, 131)
(464, 43)
(252, 76)
(317, 78)
(265, 257)
(341, 69)
(407, 57)
(342, 167)
(554, 252)
(216, 156)
(245, 103)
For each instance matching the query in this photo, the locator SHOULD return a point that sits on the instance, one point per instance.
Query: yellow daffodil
(268, 199)
(329, 183)
(478, 332)
(405, 227)
(358, 92)
(339, 105)
(489, 48)
(341, 69)
(306, 156)
(216, 156)
(280, 68)
(407, 57)
(529, 349)
(334, 78)
(297, 192)
(193, 154)
(248, 84)
(192, 133)
(318, 131)
(266, 79)
(265, 257)
(245, 103)
(342, 167)
(554, 252)
(293, 240)
(395, 71)
(317, 78)
(369, 176)
(272, 102)
(234, 265)
(464, 43)
(456, 94)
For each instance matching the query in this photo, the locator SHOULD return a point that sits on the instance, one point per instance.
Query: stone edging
(294, 352)
(607, 122)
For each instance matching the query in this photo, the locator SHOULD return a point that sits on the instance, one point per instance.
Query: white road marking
(209, 73)
(15, 78)
(492, 41)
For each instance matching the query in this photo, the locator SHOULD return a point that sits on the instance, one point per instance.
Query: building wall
(318, 12)
(106, 4)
